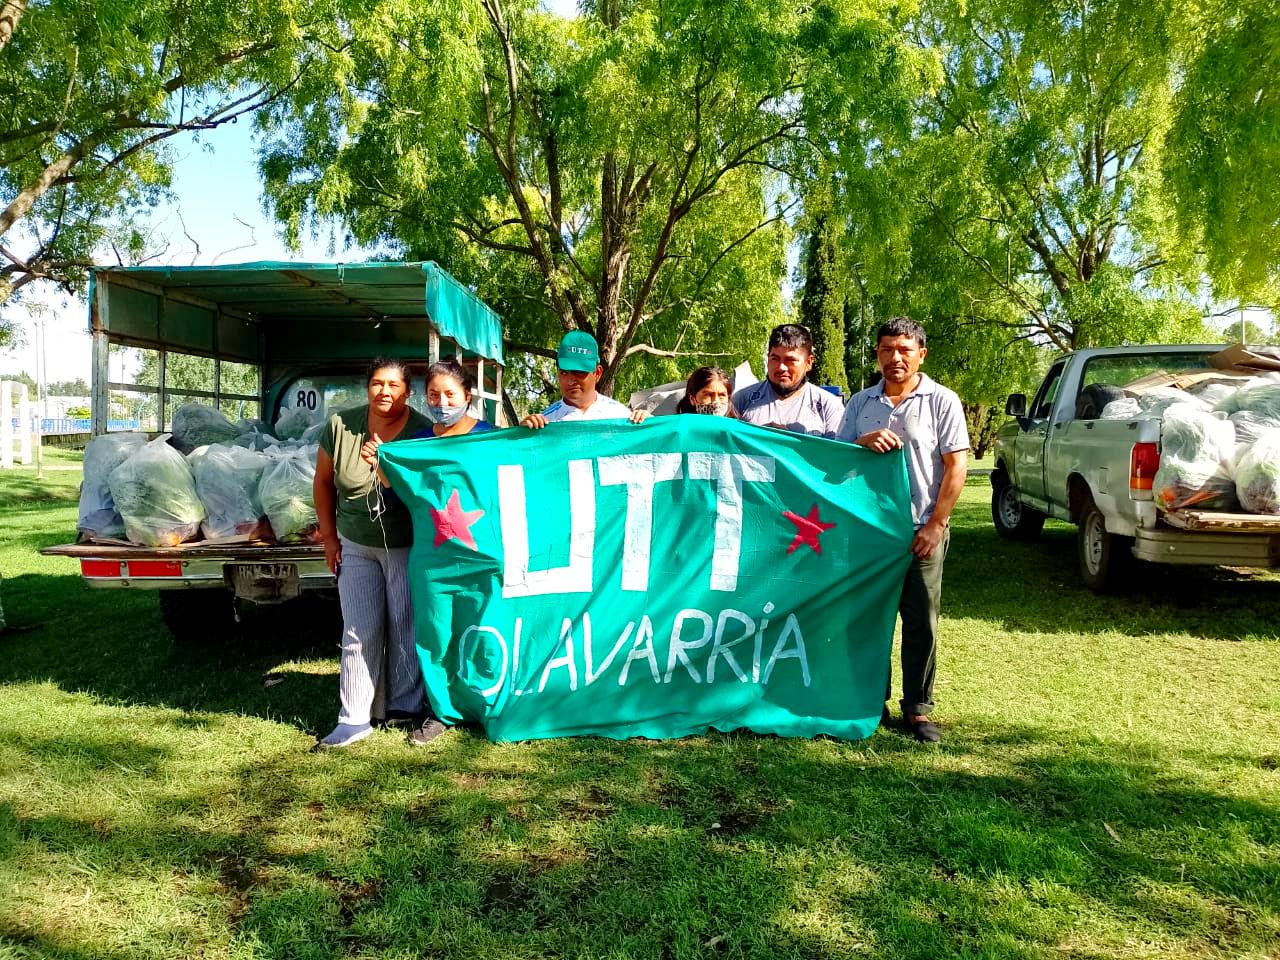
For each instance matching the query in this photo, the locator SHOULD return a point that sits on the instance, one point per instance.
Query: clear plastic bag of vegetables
(156, 495)
(1203, 484)
(195, 425)
(99, 519)
(1253, 393)
(286, 494)
(1156, 401)
(1258, 474)
(1197, 449)
(1191, 433)
(293, 423)
(1250, 425)
(227, 479)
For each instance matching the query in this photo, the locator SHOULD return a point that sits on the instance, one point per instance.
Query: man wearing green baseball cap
(578, 363)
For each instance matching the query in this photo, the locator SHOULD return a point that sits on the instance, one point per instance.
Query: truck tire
(199, 617)
(1106, 559)
(1013, 519)
(1094, 398)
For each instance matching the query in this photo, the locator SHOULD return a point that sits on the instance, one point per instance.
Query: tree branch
(517, 347)
(655, 352)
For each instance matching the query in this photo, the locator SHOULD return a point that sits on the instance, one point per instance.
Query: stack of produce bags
(1219, 443)
(238, 481)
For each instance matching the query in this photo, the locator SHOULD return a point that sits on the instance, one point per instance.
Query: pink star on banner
(808, 529)
(454, 523)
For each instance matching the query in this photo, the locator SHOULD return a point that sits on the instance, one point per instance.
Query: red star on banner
(454, 523)
(808, 529)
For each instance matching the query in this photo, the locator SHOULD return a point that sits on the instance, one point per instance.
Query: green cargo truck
(256, 340)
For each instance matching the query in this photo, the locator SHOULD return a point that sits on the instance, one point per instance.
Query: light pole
(40, 381)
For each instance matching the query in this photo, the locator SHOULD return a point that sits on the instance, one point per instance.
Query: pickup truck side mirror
(1016, 405)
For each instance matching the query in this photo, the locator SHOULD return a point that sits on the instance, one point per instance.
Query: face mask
(717, 409)
(447, 415)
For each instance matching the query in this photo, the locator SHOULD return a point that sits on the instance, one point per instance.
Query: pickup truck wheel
(1106, 559)
(1013, 519)
(199, 617)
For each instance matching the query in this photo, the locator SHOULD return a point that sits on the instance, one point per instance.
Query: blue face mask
(447, 415)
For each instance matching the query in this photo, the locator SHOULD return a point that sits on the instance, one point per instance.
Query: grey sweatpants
(377, 634)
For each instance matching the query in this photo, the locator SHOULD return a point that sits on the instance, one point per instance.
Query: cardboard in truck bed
(1184, 379)
(1238, 357)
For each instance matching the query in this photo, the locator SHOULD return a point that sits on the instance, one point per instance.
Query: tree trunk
(11, 12)
(21, 205)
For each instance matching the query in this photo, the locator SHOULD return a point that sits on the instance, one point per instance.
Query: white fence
(9, 434)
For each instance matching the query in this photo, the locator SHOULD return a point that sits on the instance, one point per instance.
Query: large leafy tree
(1029, 194)
(1223, 160)
(90, 90)
(630, 172)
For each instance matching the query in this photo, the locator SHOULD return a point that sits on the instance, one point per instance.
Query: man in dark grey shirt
(910, 411)
(786, 398)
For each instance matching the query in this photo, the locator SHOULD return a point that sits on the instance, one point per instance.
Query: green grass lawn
(1109, 786)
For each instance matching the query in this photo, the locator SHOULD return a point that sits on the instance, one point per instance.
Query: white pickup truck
(1058, 459)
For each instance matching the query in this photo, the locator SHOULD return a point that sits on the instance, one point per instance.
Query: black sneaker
(925, 730)
(886, 718)
(425, 732)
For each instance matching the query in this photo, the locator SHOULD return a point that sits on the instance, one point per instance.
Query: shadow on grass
(1036, 587)
(718, 846)
(113, 644)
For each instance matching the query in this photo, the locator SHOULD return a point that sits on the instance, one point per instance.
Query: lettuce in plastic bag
(1250, 426)
(1156, 401)
(195, 425)
(286, 494)
(1196, 451)
(1262, 399)
(1190, 433)
(292, 424)
(156, 495)
(1204, 484)
(227, 479)
(1258, 474)
(99, 518)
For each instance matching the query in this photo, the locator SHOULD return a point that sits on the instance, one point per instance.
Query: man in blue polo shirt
(908, 410)
(578, 371)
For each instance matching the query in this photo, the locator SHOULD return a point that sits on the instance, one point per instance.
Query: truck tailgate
(260, 572)
(1218, 522)
(191, 551)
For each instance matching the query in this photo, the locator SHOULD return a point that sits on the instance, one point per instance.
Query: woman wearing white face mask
(707, 391)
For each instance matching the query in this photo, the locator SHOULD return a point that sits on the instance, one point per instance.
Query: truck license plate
(263, 582)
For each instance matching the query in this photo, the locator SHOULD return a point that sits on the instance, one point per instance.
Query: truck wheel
(199, 617)
(1094, 398)
(1013, 519)
(1106, 559)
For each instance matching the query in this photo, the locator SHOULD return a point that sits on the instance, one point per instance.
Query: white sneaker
(345, 734)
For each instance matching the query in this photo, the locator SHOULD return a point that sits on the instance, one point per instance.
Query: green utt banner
(654, 580)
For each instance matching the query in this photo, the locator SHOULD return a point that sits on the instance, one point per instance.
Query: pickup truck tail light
(155, 568)
(1144, 461)
(133, 568)
(100, 568)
